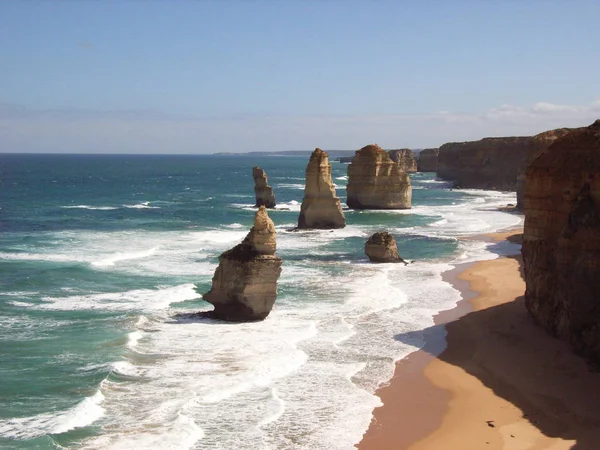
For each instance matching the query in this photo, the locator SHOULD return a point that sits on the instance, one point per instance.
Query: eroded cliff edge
(561, 243)
(539, 143)
(490, 163)
(377, 182)
(493, 162)
(428, 160)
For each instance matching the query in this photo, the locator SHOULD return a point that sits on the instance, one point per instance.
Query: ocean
(104, 257)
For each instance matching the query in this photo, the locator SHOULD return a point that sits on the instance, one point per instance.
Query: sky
(202, 76)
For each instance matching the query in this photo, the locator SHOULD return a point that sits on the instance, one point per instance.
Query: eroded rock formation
(264, 192)
(405, 159)
(377, 182)
(561, 242)
(428, 160)
(381, 248)
(320, 207)
(244, 286)
(539, 143)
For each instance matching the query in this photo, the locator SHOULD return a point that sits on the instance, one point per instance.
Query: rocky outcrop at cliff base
(428, 160)
(320, 207)
(244, 286)
(561, 239)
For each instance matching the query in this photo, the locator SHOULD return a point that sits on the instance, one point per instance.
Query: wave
(139, 299)
(83, 414)
(110, 261)
(234, 226)
(143, 205)
(93, 208)
(298, 186)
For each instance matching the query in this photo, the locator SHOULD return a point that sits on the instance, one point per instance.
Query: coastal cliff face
(381, 248)
(244, 286)
(539, 143)
(320, 207)
(561, 242)
(264, 192)
(405, 159)
(428, 160)
(490, 163)
(377, 182)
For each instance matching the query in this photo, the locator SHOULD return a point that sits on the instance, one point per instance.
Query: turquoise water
(101, 257)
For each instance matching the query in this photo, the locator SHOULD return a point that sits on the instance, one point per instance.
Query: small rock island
(381, 248)
(244, 286)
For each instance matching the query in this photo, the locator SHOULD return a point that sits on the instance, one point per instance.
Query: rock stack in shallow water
(377, 182)
(405, 159)
(244, 287)
(381, 248)
(561, 239)
(320, 207)
(264, 192)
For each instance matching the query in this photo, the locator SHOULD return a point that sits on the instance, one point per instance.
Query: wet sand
(501, 383)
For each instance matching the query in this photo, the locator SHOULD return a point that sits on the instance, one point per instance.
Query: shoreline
(462, 390)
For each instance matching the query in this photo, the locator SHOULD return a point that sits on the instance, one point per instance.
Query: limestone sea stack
(377, 182)
(320, 207)
(244, 287)
(405, 159)
(264, 192)
(381, 248)
(561, 240)
(428, 160)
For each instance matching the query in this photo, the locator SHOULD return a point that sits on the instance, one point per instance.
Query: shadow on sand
(503, 348)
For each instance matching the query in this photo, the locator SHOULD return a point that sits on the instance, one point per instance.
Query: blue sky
(203, 76)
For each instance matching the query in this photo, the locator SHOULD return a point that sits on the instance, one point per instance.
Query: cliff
(263, 192)
(490, 163)
(405, 159)
(377, 182)
(244, 286)
(561, 242)
(539, 143)
(320, 207)
(428, 160)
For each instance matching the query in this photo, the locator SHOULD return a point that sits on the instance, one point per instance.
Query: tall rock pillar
(264, 192)
(320, 207)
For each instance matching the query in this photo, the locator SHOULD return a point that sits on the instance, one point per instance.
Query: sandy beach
(501, 382)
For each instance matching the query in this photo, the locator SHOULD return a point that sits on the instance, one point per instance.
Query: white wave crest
(85, 413)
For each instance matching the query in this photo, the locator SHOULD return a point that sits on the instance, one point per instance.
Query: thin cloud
(83, 131)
